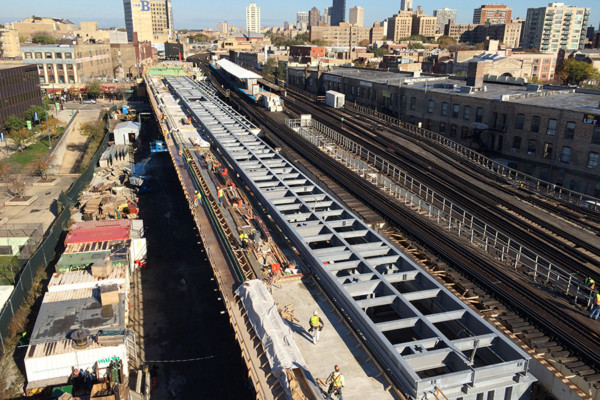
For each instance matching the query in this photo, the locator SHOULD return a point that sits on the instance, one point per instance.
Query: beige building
(10, 47)
(60, 66)
(512, 34)
(151, 19)
(423, 24)
(556, 27)
(357, 16)
(253, 18)
(400, 25)
(56, 27)
(342, 35)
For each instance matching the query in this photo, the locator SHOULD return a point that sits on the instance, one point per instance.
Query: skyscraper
(302, 16)
(406, 5)
(444, 16)
(357, 16)
(151, 19)
(253, 18)
(338, 12)
(314, 17)
(555, 27)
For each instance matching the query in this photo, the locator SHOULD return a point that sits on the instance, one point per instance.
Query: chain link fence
(46, 251)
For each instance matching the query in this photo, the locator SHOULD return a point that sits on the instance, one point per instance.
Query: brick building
(492, 14)
(342, 35)
(551, 134)
(19, 90)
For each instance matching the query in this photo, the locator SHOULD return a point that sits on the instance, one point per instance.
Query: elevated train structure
(427, 339)
(582, 373)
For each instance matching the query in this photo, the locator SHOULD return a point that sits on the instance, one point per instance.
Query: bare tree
(40, 166)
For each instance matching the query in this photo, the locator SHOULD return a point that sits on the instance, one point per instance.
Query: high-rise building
(556, 27)
(314, 17)
(493, 14)
(253, 18)
(302, 16)
(357, 16)
(151, 19)
(444, 16)
(338, 12)
(406, 5)
(223, 27)
(423, 24)
(400, 25)
(327, 16)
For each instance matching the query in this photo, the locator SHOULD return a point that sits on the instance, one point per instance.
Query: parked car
(88, 101)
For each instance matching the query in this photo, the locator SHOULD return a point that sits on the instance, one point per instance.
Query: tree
(44, 39)
(416, 45)
(364, 43)
(93, 88)
(14, 123)
(380, 52)
(445, 41)
(270, 66)
(319, 42)
(575, 72)
(30, 113)
(40, 166)
(303, 37)
(20, 138)
(281, 70)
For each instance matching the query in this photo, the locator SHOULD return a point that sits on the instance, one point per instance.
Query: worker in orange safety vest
(220, 195)
(595, 312)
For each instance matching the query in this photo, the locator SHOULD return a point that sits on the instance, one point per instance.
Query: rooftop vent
(80, 338)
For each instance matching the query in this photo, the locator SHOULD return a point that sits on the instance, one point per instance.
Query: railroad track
(476, 200)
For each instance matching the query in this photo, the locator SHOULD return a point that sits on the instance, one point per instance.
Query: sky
(194, 14)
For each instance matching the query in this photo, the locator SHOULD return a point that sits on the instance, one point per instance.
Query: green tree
(20, 138)
(44, 39)
(14, 123)
(281, 71)
(416, 45)
(93, 89)
(303, 37)
(575, 72)
(380, 52)
(30, 113)
(270, 66)
(319, 42)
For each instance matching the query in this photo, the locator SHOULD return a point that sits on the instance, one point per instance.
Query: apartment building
(556, 27)
(400, 25)
(253, 18)
(423, 24)
(343, 35)
(492, 14)
(357, 16)
(10, 46)
(444, 16)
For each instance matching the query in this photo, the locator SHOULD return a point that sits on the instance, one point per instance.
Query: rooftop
(236, 70)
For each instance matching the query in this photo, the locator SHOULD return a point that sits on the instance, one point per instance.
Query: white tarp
(276, 337)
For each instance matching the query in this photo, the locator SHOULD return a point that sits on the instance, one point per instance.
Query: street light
(47, 124)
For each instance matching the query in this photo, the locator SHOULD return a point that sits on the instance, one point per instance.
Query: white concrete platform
(337, 344)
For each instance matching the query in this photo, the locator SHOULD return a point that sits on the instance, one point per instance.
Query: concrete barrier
(58, 150)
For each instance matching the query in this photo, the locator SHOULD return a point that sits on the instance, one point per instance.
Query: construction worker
(220, 195)
(244, 239)
(316, 326)
(595, 312)
(590, 283)
(197, 198)
(336, 383)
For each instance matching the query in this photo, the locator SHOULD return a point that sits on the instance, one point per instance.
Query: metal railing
(425, 201)
(530, 182)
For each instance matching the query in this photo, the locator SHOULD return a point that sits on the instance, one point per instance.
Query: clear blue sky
(197, 14)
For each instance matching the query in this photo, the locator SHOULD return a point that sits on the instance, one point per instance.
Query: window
(520, 121)
(593, 160)
(551, 127)
(466, 113)
(443, 128)
(58, 55)
(565, 155)
(27, 55)
(464, 132)
(570, 130)
(535, 124)
(413, 103)
(430, 105)
(48, 55)
(455, 110)
(453, 129)
(38, 55)
(516, 144)
(596, 135)
(479, 114)
(68, 55)
(531, 147)
(444, 108)
(548, 147)
(490, 395)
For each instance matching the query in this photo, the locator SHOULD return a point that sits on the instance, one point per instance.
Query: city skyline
(273, 13)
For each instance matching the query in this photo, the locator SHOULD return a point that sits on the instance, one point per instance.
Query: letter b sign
(145, 5)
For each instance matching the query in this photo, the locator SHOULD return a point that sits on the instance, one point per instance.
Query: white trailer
(334, 99)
